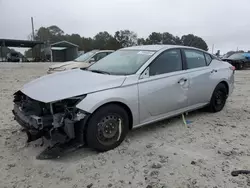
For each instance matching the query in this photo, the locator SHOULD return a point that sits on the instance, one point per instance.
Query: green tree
(49, 34)
(75, 39)
(43, 34)
(126, 38)
(87, 44)
(102, 40)
(163, 38)
(168, 38)
(141, 41)
(154, 38)
(122, 38)
(194, 41)
(55, 30)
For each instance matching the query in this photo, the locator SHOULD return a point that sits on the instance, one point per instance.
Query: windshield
(237, 56)
(122, 62)
(84, 57)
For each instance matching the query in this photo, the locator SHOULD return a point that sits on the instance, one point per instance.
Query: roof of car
(155, 47)
(107, 50)
(103, 50)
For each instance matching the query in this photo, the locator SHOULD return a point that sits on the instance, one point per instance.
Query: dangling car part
(131, 87)
(55, 121)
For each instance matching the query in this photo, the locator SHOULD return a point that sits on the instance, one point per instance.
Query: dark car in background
(13, 57)
(240, 60)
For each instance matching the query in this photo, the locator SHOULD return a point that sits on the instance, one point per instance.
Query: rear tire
(219, 98)
(107, 127)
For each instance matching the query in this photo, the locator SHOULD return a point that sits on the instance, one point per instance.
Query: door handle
(183, 79)
(214, 70)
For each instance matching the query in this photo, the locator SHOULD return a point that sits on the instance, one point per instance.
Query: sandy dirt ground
(165, 154)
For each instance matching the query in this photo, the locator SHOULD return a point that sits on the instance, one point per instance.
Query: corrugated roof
(64, 43)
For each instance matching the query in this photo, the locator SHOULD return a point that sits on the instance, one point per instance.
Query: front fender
(127, 95)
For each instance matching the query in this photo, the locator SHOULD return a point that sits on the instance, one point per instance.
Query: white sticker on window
(145, 53)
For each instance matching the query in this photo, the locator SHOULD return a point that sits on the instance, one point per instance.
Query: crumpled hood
(69, 65)
(68, 84)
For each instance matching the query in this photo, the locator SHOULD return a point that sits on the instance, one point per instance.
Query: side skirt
(172, 114)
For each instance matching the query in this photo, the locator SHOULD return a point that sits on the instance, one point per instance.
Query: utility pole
(213, 49)
(33, 32)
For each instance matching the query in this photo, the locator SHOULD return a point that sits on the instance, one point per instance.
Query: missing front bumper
(31, 121)
(64, 134)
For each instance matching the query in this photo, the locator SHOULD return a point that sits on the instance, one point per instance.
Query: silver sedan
(131, 87)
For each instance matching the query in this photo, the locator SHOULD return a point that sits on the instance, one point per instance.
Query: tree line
(123, 38)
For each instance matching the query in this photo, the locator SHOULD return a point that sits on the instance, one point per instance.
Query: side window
(194, 59)
(99, 56)
(168, 61)
(208, 58)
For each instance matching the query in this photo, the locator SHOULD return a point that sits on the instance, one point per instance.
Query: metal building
(63, 51)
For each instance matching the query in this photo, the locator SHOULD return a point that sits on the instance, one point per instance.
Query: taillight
(232, 68)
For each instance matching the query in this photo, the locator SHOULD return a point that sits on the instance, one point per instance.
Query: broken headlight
(66, 104)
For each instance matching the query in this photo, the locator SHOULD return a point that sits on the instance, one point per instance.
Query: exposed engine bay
(60, 121)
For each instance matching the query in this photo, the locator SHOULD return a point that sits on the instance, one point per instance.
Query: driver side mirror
(145, 73)
(92, 60)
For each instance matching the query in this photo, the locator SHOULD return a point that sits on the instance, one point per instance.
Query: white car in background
(82, 61)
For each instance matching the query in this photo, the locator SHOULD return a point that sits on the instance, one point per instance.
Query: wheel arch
(211, 104)
(121, 104)
(226, 84)
(221, 82)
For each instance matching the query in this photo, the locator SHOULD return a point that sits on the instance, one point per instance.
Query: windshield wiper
(99, 71)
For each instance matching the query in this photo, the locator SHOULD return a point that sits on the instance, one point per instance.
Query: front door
(165, 89)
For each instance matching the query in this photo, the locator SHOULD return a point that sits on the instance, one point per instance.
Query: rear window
(195, 59)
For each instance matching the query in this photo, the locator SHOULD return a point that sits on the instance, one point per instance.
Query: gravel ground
(165, 154)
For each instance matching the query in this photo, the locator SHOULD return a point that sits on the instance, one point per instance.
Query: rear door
(200, 76)
(165, 89)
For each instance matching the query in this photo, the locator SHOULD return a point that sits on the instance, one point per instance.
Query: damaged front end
(59, 122)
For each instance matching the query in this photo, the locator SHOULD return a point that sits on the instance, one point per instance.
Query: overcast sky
(224, 23)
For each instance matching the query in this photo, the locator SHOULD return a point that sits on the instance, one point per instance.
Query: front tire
(107, 127)
(218, 99)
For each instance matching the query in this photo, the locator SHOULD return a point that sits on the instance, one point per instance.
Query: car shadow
(167, 123)
(133, 135)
